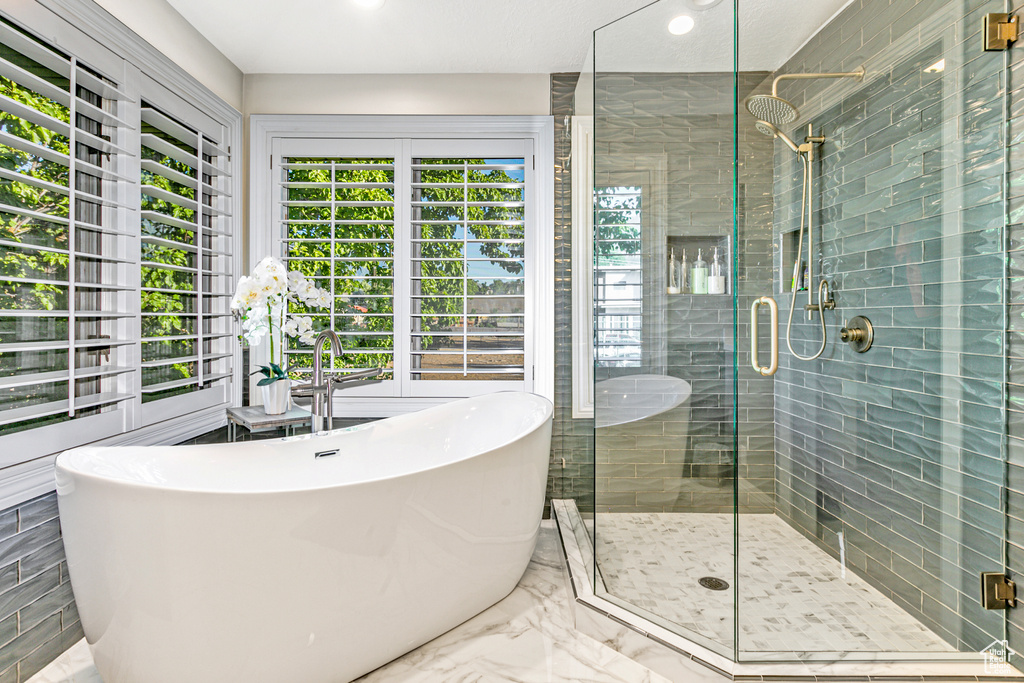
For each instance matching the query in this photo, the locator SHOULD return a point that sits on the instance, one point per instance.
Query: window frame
(95, 39)
(267, 133)
(654, 231)
(582, 231)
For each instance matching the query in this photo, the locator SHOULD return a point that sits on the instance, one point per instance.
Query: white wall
(438, 94)
(156, 22)
(478, 94)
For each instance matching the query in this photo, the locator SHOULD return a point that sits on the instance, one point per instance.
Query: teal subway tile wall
(901, 448)
(671, 136)
(38, 617)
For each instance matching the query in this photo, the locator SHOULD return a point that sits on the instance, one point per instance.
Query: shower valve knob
(849, 335)
(858, 333)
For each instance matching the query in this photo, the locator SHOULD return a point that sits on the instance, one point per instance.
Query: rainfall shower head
(771, 108)
(775, 110)
(771, 131)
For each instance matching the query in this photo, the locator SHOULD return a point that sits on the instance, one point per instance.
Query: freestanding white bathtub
(260, 562)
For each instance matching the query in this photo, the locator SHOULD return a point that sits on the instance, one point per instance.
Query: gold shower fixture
(777, 111)
(999, 30)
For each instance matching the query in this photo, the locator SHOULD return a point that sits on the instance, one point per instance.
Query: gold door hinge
(997, 591)
(999, 31)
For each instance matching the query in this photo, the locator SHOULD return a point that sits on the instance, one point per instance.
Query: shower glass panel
(843, 506)
(665, 349)
(889, 463)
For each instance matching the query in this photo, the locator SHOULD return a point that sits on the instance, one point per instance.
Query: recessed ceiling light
(369, 4)
(680, 25)
(936, 67)
(702, 4)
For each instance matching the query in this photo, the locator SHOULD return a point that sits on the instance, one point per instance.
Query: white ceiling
(496, 36)
(770, 32)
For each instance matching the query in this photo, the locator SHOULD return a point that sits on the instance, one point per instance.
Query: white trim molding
(101, 26)
(266, 130)
(582, 266)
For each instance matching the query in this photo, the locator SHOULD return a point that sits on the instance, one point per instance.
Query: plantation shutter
(66, 263)
(619, 277)
(186, 274)
(468, 270)
(424, 245)
(338, 228)
(72, 253)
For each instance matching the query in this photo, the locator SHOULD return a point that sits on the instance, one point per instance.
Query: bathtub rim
(61, 469)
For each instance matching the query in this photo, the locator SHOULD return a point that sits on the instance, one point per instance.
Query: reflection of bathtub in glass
(620, 400)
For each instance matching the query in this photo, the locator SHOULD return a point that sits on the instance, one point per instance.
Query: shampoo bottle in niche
(699, 274)
(684, 275)
(674, 273)
(716, 279)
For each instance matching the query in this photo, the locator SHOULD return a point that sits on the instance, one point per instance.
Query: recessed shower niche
(791, 278)
(690, 249)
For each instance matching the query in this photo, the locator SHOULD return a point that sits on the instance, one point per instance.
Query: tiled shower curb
(681, 660)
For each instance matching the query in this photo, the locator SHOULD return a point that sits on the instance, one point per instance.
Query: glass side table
(255, 420)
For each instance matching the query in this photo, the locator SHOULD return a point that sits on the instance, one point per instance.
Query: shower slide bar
(773, 309)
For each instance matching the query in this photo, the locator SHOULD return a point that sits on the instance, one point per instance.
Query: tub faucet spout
(321, 405)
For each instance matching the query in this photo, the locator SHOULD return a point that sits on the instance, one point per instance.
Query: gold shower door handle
(773, 309)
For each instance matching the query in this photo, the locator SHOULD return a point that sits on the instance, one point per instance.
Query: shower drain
(713, 583)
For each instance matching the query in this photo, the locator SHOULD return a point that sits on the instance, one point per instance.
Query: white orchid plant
(261, 304)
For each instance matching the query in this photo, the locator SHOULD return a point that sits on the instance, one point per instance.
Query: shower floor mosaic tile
(794, 597)
(527, 637)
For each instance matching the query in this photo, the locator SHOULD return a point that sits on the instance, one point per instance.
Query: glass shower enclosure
(833, 496)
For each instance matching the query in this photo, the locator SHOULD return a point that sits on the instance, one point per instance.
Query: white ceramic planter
(277, 396)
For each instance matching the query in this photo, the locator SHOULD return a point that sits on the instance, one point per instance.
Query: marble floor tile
(74, 666)
(528, 637)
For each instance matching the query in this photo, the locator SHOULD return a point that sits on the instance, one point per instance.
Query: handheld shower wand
(806, 153)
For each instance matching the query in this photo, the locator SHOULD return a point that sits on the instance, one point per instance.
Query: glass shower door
(889, 460)
(664, 141)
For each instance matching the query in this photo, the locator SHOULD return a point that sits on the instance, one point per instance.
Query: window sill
(34, 478)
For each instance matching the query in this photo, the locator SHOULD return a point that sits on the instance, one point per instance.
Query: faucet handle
(859, 333)
(307, 390)
(302, 390)
(339, 377)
